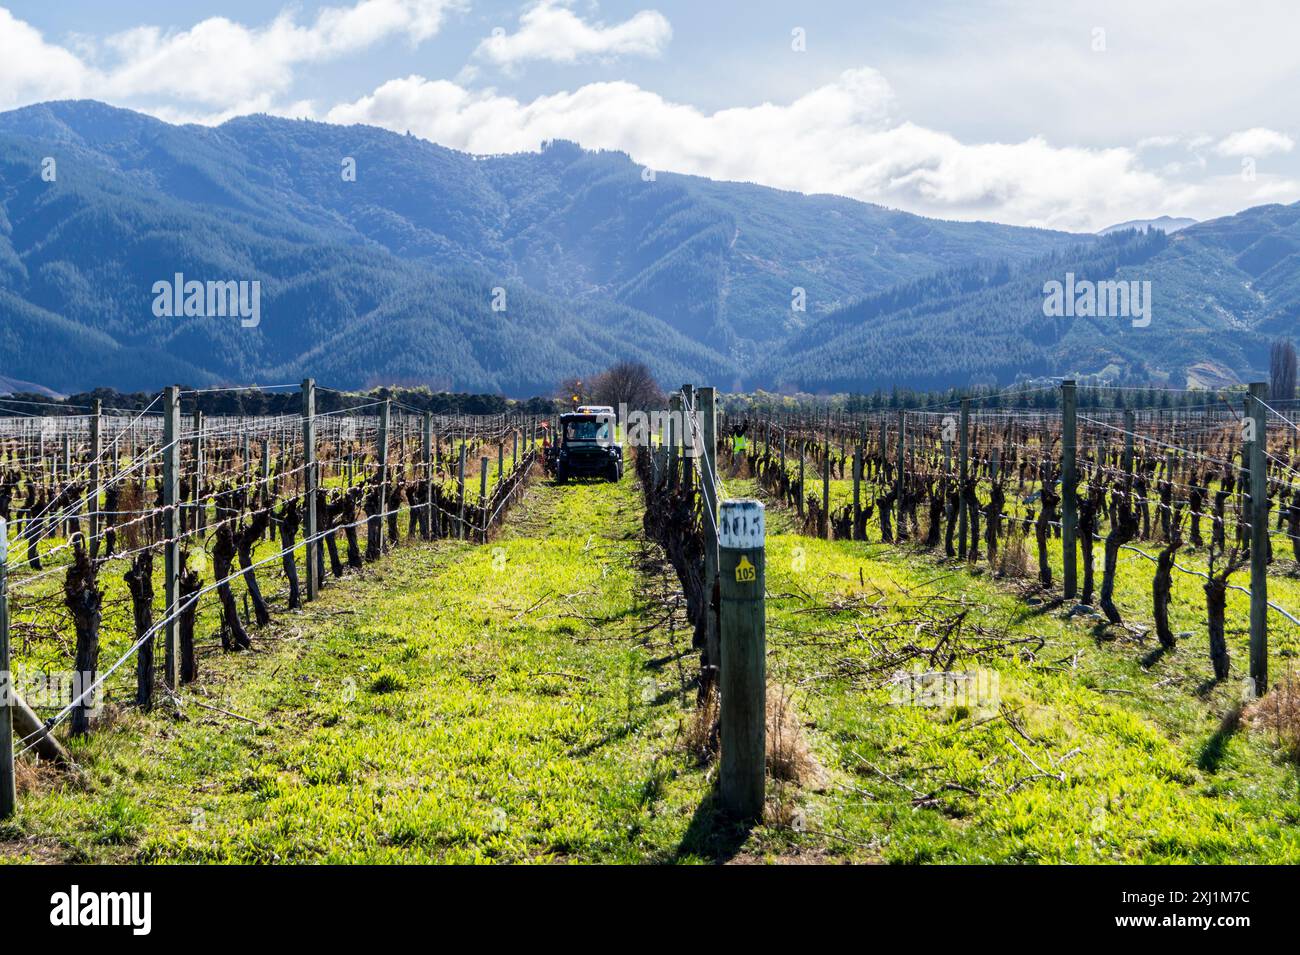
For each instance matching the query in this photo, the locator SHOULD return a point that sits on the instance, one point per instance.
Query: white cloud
(1277, 190)
(31, 69)
(217, 62)
(840, 138)
(1255, 142)
(549, 30)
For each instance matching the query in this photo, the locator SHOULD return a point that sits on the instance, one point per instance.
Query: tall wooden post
(826, 477)
(8, 784)
(742, 579)
(1130, 426)
(310, 526)
(1069, 484)
(427, 450)
(707, 448)
(688, 436)
(1259, 540)
(674, 437)
(92, 502)
(963, 469)
(171, 464)
(197, 509)
(385, 416)
(901, 504)
(460, 492)
(483, 497)
(857, 491)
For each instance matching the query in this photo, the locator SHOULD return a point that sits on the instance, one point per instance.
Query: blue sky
(1061, 113)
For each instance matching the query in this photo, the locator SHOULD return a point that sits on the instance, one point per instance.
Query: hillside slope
(1220, 292)
(390, 276)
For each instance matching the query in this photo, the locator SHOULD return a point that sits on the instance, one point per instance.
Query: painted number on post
(741, 525)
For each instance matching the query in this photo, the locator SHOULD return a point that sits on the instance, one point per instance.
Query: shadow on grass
(621, 732)
(658, 663)
(1155, 656)
(1216, 747)
(1029, 612)
(712, 835)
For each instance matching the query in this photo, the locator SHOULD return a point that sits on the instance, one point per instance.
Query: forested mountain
(391, 275)
(1220, 292)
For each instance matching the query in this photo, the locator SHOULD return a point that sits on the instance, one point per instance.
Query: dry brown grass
(700, 734)
(35, 776)
(1277, 714)
(1013, 554)
(788, 757)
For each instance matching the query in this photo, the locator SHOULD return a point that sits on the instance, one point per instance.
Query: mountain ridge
(396, 274)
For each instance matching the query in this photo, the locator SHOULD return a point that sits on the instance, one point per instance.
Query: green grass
(522, 702)
(419, 712)
(1147, 769)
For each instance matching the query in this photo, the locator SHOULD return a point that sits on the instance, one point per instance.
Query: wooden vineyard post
(825, 529)
(92, 502)
(385, 416)
(266, 470)
(688, 435)
(1257, 431)
(8, 785)
(171, 464)
(460, 492)
(199, 517)
(309, 528)
(1069, 482)
(1130, 424)
(674, 437)
(902, 475)
(483, 497)
(708, 416)
(857, 492)
(427, 450)
(963, 468)
(802, 493)
(743, 679)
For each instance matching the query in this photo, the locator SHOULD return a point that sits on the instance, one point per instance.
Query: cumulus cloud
(1258, 141)
(217, 62)
(841, 137)
(549, 30)
(844, 136)
(33, 70)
